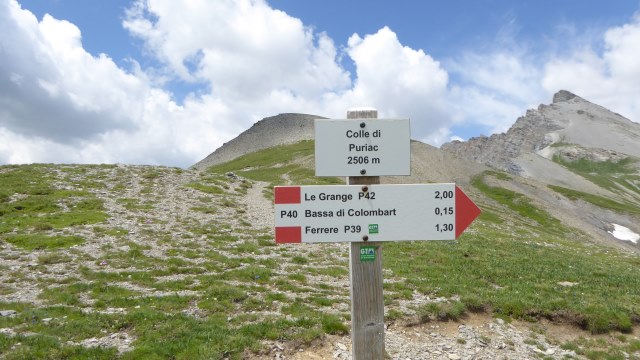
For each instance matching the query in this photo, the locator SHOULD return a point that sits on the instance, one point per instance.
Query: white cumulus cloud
(400, 82)
(52, 88)
(606, 72)
(59, 103)
(242, 48)
(494, 87)
(260, 61)
(247, 60)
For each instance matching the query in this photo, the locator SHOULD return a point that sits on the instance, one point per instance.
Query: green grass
(277, 164)
(6, 290)
(209, 189)
(66, 324)
(518, 203)
(53, 258)
(205, 209)
(448, 311)
(31, 204)
(514, 270)
(135, 204)
(115, 231)
(43, 242)
(161, 330)
(607, 167)
(48, 347)
(518, 277)
(283, 154)
(612, 175)
(597, 349)
(605, 203)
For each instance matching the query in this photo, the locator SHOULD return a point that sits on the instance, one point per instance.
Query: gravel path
(259, 209)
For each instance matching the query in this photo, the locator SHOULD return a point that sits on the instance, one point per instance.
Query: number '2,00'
(444, 194)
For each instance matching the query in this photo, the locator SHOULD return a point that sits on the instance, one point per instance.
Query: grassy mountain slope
(133, 262)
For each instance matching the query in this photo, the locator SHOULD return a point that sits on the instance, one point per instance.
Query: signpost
(365, 213)
(351, 213)
(364, 147)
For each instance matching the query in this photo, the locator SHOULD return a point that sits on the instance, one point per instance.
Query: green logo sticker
(373, 228)
(367, 253)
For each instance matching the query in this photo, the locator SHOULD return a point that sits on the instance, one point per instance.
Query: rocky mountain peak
(570, 119)
(287, 128)
(563, 96)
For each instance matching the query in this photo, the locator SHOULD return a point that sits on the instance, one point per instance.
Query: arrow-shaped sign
(466, 211)
(349, 213)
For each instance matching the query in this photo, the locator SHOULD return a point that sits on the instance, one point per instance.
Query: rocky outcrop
(569, 119)
(563, 96)
(268, 132)
(528, 134)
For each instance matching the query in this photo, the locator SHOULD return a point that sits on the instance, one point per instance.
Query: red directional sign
(349, 213)
(466, 211)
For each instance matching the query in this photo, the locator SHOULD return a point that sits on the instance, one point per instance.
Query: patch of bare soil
(478, 336)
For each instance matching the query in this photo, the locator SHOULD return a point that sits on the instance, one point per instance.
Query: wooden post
(367, 301)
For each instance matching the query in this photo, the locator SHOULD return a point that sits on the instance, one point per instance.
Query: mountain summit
(576, 159)
(276, 130)
(570, 119)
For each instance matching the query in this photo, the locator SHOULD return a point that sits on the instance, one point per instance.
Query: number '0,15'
(444, 194)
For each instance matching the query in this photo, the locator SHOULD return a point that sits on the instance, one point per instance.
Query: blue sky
(167, 82)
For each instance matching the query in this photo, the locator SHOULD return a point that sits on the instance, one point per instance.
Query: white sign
(363, 147)
(349, 213)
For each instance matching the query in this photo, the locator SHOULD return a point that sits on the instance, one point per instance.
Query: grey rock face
(499, 150)
(569, 119)
(562, 96)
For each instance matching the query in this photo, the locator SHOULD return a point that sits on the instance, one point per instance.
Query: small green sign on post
(368, 253)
